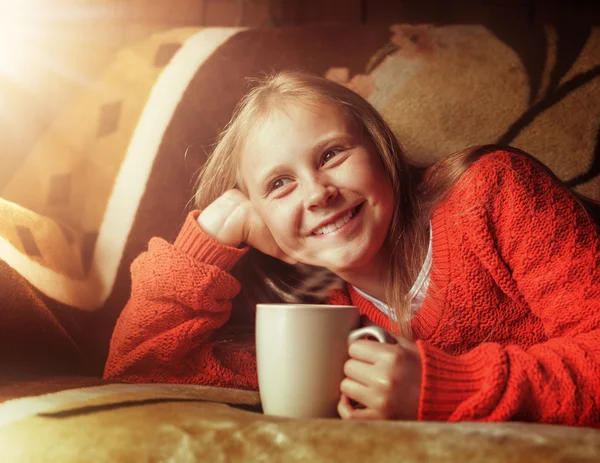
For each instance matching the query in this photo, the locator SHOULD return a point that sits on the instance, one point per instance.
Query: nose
(320, 194)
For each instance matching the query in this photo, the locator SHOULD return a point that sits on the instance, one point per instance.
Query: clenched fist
(232, 220)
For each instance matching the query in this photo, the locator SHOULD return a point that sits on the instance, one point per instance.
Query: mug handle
(372, 330)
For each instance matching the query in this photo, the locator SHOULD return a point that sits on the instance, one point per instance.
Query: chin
(342, 259)
(348, 265)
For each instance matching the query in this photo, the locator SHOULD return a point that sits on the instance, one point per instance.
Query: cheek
(362, 171)
(379, 183)
(282, 221)
(383, 190)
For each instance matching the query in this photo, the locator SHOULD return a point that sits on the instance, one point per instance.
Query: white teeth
(339, 223)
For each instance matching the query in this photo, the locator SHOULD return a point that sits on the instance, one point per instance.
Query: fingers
(224, 218)
(344, 408)
(385, 378)
(358, 371)
(232, 220)
(367, 351)
(348, 412)
(360, 393)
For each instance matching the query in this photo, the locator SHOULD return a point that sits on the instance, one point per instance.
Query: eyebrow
(318, 147)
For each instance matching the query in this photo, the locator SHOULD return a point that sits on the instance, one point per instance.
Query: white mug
(300, 352)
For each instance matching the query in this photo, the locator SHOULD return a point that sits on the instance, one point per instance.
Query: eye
(280, 182)
(329, 155)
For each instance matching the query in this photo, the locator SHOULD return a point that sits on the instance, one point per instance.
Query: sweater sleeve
(545, 250)
(181, 293)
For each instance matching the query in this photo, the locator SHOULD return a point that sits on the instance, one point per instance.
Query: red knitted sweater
(509, 330)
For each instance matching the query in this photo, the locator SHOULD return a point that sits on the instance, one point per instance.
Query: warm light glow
(25, 26)
(11, 34)
(41, 40)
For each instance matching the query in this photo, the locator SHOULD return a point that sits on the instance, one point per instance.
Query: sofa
(118, 165)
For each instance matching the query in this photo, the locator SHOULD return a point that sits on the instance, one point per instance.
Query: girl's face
(319, 186)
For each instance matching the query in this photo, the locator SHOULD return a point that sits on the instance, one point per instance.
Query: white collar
(416, 293)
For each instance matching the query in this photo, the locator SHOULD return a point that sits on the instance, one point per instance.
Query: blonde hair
(265, 279)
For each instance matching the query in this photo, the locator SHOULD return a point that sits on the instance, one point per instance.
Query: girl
(484, 266)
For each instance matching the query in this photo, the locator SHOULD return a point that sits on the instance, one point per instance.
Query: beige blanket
(124, 423)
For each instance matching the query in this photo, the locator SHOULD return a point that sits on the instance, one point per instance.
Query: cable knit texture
(509, 330)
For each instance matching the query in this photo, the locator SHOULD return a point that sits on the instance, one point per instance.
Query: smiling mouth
(339, 223)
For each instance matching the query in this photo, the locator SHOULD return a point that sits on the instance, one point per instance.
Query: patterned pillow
(118, 166)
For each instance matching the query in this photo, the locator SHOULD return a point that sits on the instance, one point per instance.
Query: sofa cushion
(122, 423)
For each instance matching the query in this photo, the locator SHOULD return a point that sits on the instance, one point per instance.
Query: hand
(232, 220)
(384, 378)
